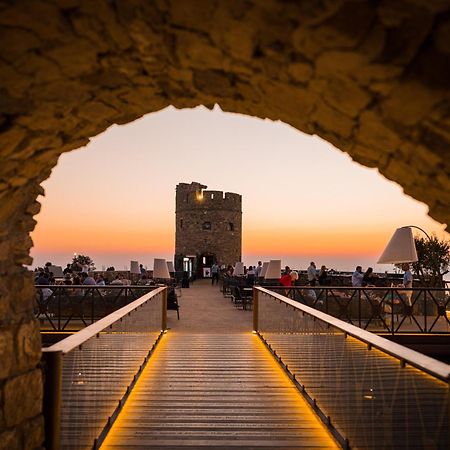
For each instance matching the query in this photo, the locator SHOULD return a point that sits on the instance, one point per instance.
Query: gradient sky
(303, 199)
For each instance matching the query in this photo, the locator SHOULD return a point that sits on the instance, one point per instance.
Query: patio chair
(172, 302)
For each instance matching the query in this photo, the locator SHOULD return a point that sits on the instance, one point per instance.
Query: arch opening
(371, 78)
(294, 185)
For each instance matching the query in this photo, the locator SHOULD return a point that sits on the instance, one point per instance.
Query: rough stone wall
(21, 425)
(371, 77)
(195, 207)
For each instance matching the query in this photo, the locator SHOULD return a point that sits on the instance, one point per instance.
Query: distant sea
(122, 262)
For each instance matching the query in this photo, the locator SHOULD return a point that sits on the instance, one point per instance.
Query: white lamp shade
(400, 249)
(134, 267)
(160, 269)
(273, 270)
(238, 269)
(264, 269)
(170, 266)
(57, 271)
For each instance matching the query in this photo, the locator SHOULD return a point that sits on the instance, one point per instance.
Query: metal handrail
(53, 366)
(95, 286)
(360, 288)
(77, 339)
(404, 355)
(75, 304)
(418, 304)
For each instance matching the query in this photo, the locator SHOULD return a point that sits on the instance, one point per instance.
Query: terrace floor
(204, 309)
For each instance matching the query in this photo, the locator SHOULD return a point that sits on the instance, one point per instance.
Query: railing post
(359, 308)
(164, 309)
(392, 310)
(255, 308)
(52, 398)
(425, 309)
(59, 309)
(92, 305)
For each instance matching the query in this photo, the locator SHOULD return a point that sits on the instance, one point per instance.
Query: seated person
(309, 296)
(286, 279)
(323, 275)
(87, 280)
(250, 277)
(368, 278)
(42, 279)
(100, 280)
(117, 281)
(67, 279)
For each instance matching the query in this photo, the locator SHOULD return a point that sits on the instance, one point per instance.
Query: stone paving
(204, 309)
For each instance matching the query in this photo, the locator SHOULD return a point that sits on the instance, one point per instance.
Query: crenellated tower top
(195, 196)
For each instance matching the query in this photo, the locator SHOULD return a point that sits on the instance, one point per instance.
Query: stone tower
(208, 228)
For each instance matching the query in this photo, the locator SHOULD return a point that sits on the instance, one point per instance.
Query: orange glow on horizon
(115, 198)
(287, 242)
(104, 239)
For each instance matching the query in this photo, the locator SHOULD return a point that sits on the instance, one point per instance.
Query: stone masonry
(208, 222)
(371, 77)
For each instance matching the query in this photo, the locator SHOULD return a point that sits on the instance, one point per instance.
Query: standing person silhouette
(215, 273)
(407, 282)
(312, 274)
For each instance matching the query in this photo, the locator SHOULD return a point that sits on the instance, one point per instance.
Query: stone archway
(370, 77)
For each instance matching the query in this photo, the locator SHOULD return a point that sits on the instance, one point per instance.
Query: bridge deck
(210, 384)
(216, 391)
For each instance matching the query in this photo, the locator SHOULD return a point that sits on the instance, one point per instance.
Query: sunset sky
(303, 200)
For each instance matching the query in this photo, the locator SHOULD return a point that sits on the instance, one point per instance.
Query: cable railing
(70, 308)
(89, 375)
(370, 392)
(393, 310)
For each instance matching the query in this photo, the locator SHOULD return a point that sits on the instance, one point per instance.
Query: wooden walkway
(211, 383)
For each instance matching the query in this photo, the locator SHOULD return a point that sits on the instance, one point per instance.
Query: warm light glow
(114, 200)
(321, 434)
(296, 397)
(125, 413)
(363, 346)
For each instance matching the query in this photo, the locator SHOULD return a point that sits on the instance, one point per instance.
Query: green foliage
(78, 261)
(434, 260)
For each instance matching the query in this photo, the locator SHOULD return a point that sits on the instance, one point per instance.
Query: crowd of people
(314, 276)
(368, 278)
(288, 277)
(80, 276)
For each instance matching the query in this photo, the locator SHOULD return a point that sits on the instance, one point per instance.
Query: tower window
(230, 226)
(206, 226)
(181, 223)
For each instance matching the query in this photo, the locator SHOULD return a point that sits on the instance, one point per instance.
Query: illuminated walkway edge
(215, 391)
